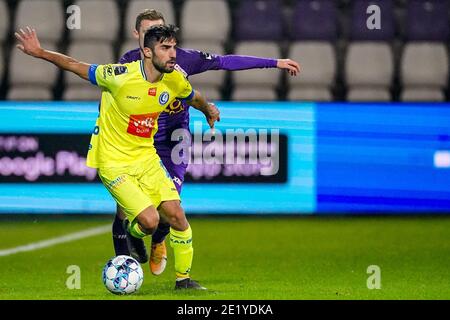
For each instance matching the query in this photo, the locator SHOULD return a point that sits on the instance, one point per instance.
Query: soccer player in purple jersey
(189, 62)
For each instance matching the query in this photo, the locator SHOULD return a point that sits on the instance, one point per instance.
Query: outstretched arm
(236, 62)
(194, 62)
(29, 44)
(210, 110)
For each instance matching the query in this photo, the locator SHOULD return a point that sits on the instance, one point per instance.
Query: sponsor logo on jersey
(163, 98)
(141, 125)
(120, 70)
(175, 107)
(109, 70)
(206, 55)
(152, 92)
(180, 69)
(116, 182)
(177, 181)
(133, 98)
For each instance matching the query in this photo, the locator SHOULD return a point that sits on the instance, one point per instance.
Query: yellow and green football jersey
(130, 106)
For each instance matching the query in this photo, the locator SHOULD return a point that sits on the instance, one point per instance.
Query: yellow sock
(136, 230)
(181, 242)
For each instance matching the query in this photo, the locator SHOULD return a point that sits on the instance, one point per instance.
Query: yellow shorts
(139, 186)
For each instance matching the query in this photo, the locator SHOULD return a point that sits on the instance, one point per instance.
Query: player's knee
(149, 222)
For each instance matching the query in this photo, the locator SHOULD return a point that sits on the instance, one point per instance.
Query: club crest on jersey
(163, 98)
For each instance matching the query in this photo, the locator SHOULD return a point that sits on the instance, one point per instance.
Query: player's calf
(135, 242)
(180, 237)
(144, 224)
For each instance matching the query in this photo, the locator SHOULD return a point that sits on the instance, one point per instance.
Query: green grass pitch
(236, 257)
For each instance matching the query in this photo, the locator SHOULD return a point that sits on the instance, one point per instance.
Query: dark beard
(161, 67)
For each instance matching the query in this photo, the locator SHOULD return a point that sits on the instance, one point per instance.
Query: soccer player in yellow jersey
(133, 96)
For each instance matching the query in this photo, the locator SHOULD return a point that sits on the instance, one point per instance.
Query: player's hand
(291, 66)
(212, 114)
(28, 42)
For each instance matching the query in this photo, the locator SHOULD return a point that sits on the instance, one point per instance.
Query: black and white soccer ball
(122, 275)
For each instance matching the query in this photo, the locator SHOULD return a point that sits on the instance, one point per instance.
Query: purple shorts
(176, 171)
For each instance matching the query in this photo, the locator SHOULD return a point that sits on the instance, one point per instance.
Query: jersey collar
(143, 70)
(144, 75)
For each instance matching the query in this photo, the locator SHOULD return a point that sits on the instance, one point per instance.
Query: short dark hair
(159, 33)
(148, 14)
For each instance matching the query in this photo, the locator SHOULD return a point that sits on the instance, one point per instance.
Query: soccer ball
(122, 275)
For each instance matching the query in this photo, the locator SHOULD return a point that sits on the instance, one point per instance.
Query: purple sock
(119, 237)
(161, 232)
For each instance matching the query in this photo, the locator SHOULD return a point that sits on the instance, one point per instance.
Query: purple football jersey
(191, 62)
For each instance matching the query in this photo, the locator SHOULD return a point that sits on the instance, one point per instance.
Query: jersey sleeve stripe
(190, 96)
(92, 77)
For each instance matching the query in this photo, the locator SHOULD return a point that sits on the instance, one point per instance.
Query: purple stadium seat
(259, 20)
(309, 14)
(359, 30)
(427, 20)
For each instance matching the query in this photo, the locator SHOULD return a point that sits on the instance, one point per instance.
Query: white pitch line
(54, 241)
